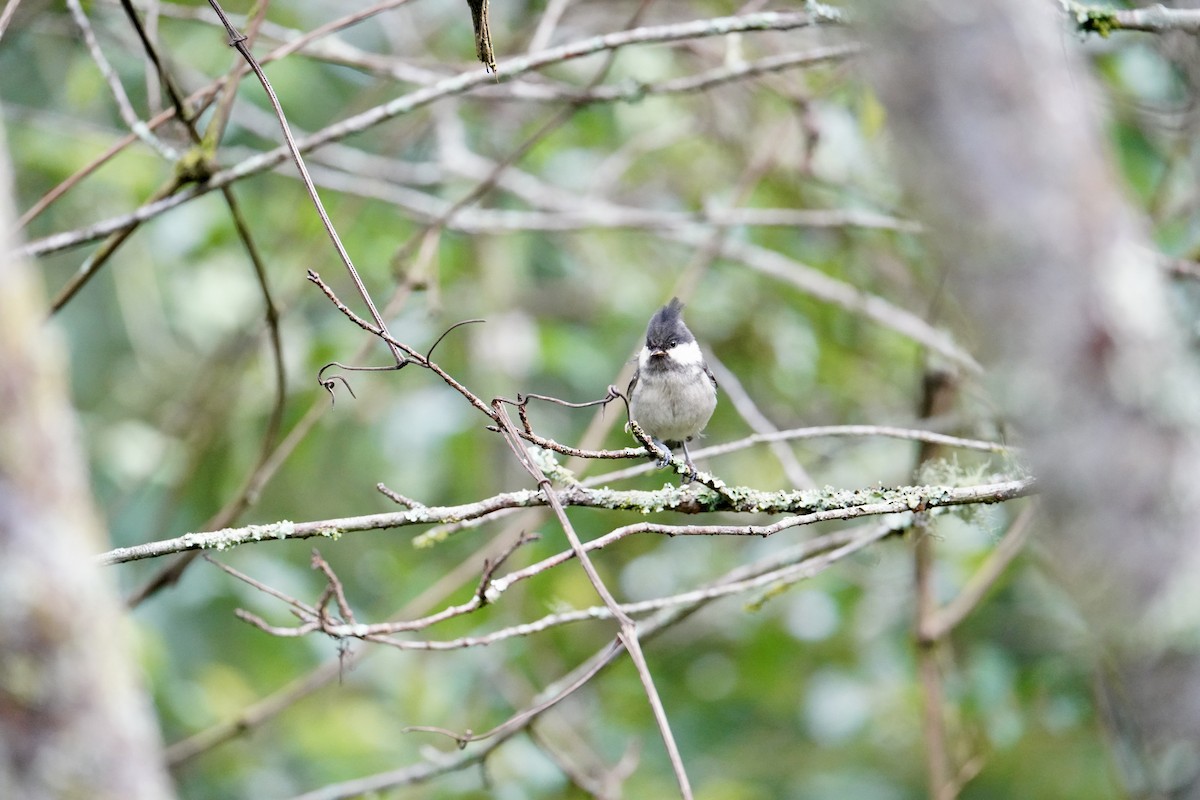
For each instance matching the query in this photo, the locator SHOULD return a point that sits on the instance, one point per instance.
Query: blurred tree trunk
(74, 721)
(1000, 144)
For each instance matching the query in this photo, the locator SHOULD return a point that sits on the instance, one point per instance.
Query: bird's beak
(658, 353)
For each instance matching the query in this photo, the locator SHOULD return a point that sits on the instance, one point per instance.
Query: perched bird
(673, 392)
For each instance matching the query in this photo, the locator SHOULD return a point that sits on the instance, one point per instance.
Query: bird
(673, 392)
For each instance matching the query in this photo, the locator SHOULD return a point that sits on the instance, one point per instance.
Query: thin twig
(409, 355)
(125, 108)
(255, 715)
(238, 41)
(182, 113)
(336, 589)
(215, 131)
(804, 562)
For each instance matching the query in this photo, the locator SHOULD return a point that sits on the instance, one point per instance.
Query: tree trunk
(74, 721)
(998, 140)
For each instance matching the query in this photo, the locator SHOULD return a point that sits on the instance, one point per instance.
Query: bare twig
(260, 712)
(182, 113)
(800, 563)
(215, 131)
(397, 498)
(238, 41)
(409, 355)
(335, 589)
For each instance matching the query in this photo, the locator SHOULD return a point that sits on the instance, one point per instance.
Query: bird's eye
(671, 343)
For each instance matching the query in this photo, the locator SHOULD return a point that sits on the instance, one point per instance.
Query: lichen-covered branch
(815, 506)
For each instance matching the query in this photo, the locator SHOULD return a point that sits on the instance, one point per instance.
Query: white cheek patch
(687, 354)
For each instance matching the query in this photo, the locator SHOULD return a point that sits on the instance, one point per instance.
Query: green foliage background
(810, 694)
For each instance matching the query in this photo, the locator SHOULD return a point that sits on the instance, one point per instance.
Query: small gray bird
(673, 392)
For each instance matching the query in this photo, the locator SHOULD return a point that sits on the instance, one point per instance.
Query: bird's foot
(662, 454)
(690, 475)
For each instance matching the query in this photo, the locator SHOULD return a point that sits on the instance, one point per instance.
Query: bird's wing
(632, 382)
(707, 372)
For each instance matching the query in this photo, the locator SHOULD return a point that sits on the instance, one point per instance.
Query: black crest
(666, 326)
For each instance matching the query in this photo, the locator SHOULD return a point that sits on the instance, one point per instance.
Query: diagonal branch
(238, 41)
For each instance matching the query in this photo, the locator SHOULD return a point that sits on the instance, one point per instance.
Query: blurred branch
(94, 262)
(545, 89)
(166, 81)
(761, 259)
(137, 126)
(364, 181)
(1152, 19)
(6, 16)
(944, 620)
(423, 97)
(199, 99)
(1055, 274)
(547, 23)
(851, 298)
(732, 387)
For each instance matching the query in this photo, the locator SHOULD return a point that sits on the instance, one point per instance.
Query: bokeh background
(598, 187)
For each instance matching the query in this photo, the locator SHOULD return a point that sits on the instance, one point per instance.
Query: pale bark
(74, 721)
(1001, 145)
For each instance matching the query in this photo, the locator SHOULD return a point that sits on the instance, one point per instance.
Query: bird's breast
(673, 405)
